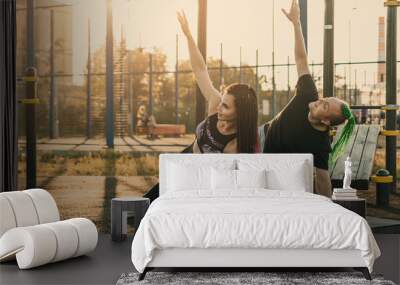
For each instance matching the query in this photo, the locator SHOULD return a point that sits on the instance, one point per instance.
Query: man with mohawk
(303, 125)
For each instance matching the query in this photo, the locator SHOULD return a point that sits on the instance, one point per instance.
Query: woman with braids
(303, 125)
(231, 124)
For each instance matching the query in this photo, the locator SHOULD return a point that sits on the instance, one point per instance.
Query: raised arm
(199, 67)
(300, 53)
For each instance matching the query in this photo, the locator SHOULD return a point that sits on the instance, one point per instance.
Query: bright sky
(235, 23)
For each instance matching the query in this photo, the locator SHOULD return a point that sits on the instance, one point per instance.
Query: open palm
(184, 23)
(294, 14)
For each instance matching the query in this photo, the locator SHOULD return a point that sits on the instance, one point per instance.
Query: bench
(162, 130)
(361, 149)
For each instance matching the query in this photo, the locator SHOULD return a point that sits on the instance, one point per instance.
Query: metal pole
(130, 101)
(334, 80)
(30, 131)
(355, 88)
(240, 66)
(109, 78)
(89, 89)
(256, 79)
(345, 83)
(328, 48)
(53, 104)
(288, 79)
(177, 83)
(150, 84)
(202, 44)
(273, 60)
(365, 78)
(30, 123)
(391, 88)
(30, 28)
(51, 99)
(350, 79)
(304, 20)
(221, 70)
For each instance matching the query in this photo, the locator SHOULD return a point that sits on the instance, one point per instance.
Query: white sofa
(31, 230)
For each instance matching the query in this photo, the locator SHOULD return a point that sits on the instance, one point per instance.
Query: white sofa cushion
(40, 244)
(34, 244)
(45, 205)
(7, 220)
(87, 233)
(23, 208)
(66, 237)
(27, 208)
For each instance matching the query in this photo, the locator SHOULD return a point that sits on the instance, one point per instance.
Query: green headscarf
(340, 144)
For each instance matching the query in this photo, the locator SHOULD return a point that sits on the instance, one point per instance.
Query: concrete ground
(124, 144)
(102, 266)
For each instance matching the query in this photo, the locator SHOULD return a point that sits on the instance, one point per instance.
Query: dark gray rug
(231, 278)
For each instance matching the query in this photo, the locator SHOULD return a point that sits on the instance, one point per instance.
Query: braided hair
(343, 140)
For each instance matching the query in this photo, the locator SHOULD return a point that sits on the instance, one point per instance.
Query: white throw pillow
(251, 178)
(291, 179)
(182, 177)
(223, 179)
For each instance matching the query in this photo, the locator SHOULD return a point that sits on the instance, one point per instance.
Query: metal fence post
(53, 102)
(177, 83)
(89, 90)
(391, 88)
(150, 84)
(328, 48)
(109, 78)
(30, 125)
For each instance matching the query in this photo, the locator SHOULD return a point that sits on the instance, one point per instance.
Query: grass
(102, 163)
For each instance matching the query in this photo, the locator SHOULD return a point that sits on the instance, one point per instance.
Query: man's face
(325, 109)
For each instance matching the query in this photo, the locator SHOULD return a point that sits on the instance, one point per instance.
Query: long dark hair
(246, 119)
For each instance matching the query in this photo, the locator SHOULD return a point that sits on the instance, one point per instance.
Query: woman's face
(227, 108)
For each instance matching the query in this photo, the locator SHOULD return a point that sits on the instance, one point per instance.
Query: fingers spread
(284, 12)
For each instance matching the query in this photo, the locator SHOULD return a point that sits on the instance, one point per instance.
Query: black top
(290, 131)
(209, 139)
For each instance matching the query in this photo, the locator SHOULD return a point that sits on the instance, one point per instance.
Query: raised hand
(184, 23)
(294, 14)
